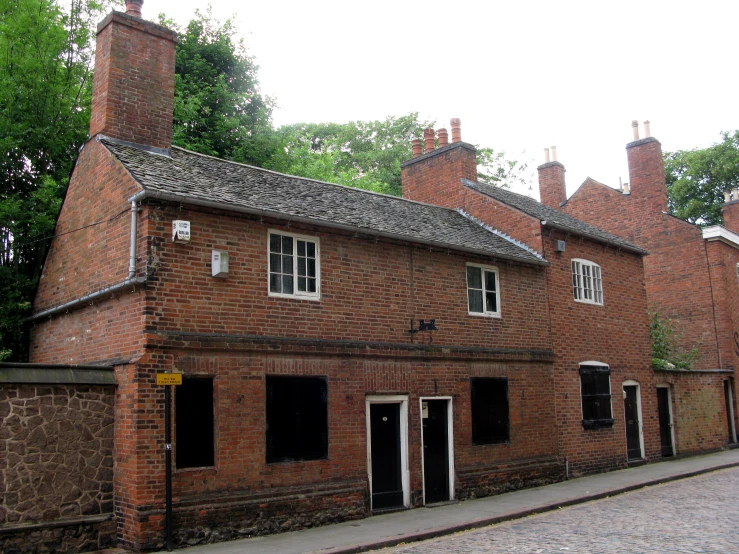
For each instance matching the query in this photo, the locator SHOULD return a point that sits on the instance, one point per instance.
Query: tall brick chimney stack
(133, 86)
(730, 210)
(647, 170)
(552, 187)
(435, 177)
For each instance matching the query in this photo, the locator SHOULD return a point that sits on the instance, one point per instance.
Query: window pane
(301, 248)
(274, 282)
(287, 265)
(274, 263)
(312, 249)
(275, 242)
(287, 284)
(474, 299)
(297, 418)
(194, 423)
(490, 281)
(311, 268)
(311, 285)
(491, 302)
(287, 245)
(301, 284)
(474, 278)
(301, 267)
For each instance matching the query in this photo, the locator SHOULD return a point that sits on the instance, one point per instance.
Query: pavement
(391, 529)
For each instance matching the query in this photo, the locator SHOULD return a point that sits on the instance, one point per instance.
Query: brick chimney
(730, 210)
(435, 177)
(552, 186)
(133, 86)
(647, 171)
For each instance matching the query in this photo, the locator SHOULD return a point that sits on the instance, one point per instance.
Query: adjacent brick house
(343, 352)
(692, 277)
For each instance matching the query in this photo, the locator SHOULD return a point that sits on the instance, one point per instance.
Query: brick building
(343, 352)
(692, 277)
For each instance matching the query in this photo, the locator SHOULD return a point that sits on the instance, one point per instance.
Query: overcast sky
(520, 75)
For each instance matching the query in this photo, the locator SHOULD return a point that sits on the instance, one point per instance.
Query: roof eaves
(595, 238)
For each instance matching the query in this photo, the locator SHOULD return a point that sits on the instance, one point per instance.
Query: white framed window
(587, 285)
(483, 290)
(294, 266)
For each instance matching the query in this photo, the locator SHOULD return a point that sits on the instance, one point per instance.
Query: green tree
(696, 179)
(45, 88)
(368, 154)
(219, 109)
(666, 350)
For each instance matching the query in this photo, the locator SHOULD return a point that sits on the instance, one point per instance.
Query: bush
(666, 353)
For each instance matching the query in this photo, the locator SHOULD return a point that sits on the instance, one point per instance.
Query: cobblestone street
(700, 514)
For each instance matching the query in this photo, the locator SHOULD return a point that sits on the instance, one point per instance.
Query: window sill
(492, 443)
(312, 298)
(597, 423)
(588, 302)
(480, 314)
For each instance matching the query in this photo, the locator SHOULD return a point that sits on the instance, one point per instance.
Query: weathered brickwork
(56, 462)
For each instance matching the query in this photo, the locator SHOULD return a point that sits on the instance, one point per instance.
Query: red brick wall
(676, 269)
(370, 290)
(616, 334)
(730, 212)
(133, 87)
(435, 178)
(699, 409)
(723, 260)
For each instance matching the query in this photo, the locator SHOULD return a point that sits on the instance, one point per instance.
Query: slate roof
(553, 218)
(186, 176)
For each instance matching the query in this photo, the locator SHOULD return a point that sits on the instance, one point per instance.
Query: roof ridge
(499, 233)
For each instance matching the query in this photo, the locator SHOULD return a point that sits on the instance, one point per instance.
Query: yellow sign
(169, 378)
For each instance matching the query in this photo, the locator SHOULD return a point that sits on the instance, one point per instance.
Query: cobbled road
(700, 514)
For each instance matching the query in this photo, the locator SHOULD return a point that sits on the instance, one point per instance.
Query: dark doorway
(631, 412)
(387, 481)
(729, 410)
(665, 421)
(435, 450)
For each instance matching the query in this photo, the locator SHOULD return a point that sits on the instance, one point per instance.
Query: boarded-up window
(489, 410)
(194, 423)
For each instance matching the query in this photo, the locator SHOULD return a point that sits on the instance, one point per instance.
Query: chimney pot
(417, 147)
(133, 7)
(443, 137)
(727, 196)
(553, 149)
(635, 128)
(546, 155)
(735, 192)
(647, 132)
(456, 129)
(428, 137)
(626, 189)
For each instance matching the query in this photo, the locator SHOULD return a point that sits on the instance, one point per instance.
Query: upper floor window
(483, 296)
(294, 268)
(587, 285)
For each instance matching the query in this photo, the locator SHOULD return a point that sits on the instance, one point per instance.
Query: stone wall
(56, 463)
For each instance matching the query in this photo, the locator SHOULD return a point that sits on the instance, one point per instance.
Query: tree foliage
(219, 109)
(45, 87)
(696, 179)
(666, 350)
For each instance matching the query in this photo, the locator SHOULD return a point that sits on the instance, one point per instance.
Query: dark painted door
(727, 398)
(435, 450)
(631, 411)
(665, 425)
(387, 483)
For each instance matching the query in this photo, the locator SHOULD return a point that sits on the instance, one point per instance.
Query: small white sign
(180, 230)
(424, 410)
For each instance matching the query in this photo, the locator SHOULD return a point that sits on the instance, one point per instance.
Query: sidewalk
(423, 523)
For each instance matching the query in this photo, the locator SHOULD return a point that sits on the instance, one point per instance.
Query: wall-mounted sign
(169, 378)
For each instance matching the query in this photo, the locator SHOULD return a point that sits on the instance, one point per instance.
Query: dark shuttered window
(194, 423)
(490, 420)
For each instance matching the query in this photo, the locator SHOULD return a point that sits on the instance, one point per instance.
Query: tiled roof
(190, 177)
(553, 218)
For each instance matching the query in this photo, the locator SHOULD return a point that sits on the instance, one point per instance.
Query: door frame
(401, 399)
(632, 383)
(672, 417)
(449, 438)
(728, 389)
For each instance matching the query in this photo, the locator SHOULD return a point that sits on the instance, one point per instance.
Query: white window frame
(587, 281)
(296, 293)
(483, 269)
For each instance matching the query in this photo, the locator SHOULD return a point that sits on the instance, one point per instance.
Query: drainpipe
(132, 258)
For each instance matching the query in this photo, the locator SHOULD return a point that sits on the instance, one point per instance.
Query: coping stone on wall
(57, 374)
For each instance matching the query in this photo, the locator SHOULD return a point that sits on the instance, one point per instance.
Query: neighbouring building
(343, 352)
(692, 277)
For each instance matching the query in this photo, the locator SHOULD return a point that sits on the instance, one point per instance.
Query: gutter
(595, 238)
(180, 199)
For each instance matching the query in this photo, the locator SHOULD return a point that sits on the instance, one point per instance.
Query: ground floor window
(595, 388)
(489, 410)
(297, 418)
(194, 423)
